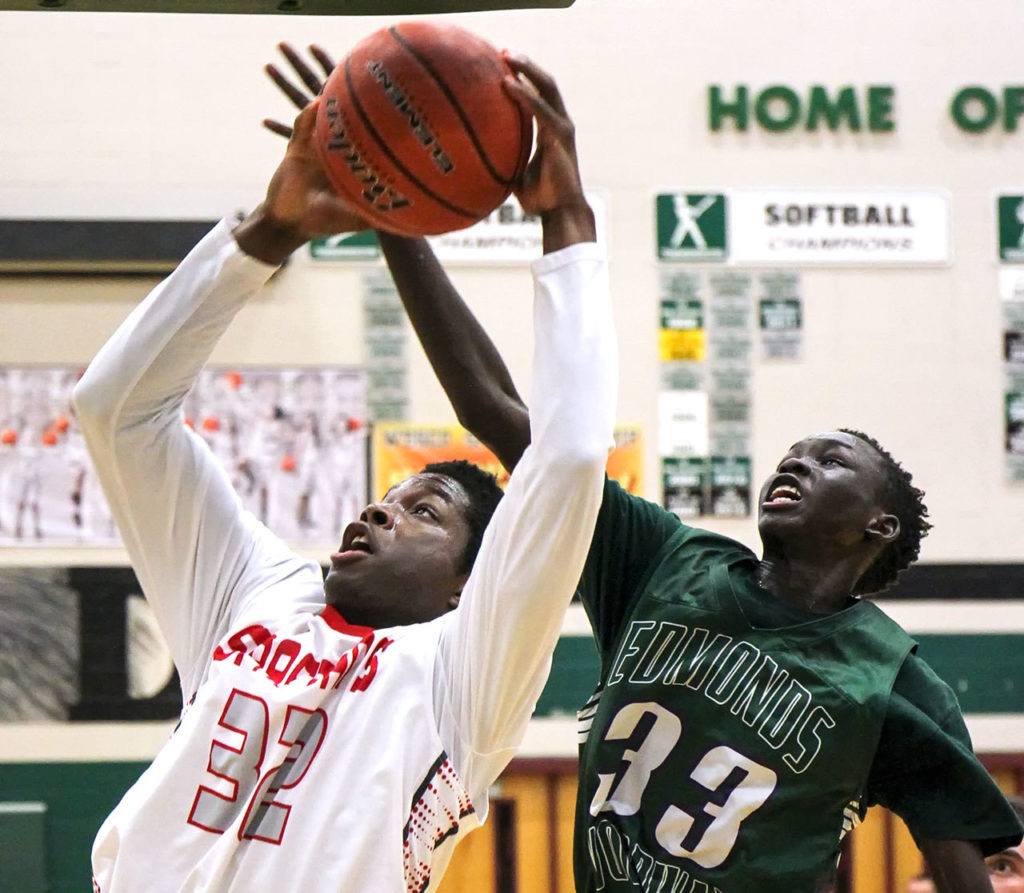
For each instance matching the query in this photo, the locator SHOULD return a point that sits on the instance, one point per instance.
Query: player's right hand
(300, 204)
(299, 196)
(313, 82)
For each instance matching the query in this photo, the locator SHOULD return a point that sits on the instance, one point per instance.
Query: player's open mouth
(781, 496)
(355, 542)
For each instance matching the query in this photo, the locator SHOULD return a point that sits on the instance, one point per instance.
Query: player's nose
(379, 515)
(795, 465)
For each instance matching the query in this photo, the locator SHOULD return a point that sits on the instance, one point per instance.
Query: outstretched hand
(313, 82)
(551, 186)
(300, 203)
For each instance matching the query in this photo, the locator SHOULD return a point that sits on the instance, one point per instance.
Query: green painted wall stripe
(985, 671)
(79, 796)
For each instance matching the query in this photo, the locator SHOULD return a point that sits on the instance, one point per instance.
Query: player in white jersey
(342, 734)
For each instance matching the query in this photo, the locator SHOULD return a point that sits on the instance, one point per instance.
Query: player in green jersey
(749, 710)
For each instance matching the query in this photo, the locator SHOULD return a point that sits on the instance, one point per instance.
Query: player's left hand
(551, 186)
(552, 178)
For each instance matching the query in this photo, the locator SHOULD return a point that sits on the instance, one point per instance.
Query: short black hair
(484, 495)
(906, 502)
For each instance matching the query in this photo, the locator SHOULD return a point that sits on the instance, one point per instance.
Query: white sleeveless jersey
(312, 754)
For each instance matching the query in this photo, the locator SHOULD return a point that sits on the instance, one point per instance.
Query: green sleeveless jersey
(717, 756)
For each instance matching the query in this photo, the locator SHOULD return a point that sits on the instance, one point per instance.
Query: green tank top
(717, 756)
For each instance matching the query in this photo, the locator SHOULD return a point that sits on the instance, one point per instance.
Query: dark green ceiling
(283, 7)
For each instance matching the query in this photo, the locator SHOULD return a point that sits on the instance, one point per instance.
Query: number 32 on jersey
(735, 785)
(237, 760)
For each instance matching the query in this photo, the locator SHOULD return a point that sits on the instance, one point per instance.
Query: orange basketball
(416, 132)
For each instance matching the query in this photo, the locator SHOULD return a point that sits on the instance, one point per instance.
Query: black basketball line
(443, 202)
(450, 96)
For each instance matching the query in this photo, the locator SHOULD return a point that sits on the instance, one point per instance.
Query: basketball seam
(426, 190)
(450, 96)
(340, 183)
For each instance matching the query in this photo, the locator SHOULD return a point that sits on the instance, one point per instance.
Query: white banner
(811, 227)
(291, 440)
(506, 235)
(683, 421)
(1011, 283)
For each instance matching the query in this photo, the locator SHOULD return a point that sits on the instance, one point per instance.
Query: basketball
(416, 132)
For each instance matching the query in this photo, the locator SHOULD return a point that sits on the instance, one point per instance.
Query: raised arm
(191, 544)
(495, 652)
(464, 358)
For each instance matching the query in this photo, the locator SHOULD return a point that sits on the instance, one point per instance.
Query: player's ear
(883, 529)
(455, 597)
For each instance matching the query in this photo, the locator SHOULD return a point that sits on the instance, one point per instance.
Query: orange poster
(401, 449)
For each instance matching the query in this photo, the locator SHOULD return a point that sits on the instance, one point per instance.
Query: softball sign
(804, 227)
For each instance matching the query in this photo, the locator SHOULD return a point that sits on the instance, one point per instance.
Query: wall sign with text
(508, 235)
(870, 108)
(804, 227)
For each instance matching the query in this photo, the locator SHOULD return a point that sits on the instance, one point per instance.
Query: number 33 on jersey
(713, 746)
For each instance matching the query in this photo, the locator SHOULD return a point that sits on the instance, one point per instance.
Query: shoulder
(623, 512)
(919, 689)
(685, 562)
(617, 502)
(705, 547)
(925, 769)
(923, 723)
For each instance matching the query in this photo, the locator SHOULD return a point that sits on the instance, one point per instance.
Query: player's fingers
(323, 57)
(298, 64)
(297, 97)
(277, 127)
(302, 129)
(543, 81)
(530, 100)
(549, 121)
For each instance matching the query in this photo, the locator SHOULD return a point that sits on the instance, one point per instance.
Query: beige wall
(107, 115)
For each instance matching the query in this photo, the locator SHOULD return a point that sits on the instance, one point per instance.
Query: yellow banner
(401, 449)
(681, 344)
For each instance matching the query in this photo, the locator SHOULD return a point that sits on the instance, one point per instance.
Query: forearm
(178, 517)
(149, 364)
(463, 357)
(568, 225)
(501, 637)
(957, 866)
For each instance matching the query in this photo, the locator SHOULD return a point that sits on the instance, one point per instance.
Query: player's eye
(1000, 866)
(832, 461)
(424, 509)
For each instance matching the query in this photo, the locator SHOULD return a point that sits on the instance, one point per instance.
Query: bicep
(926, 772)
(957, 866)
(182, 525)
(495, 648)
